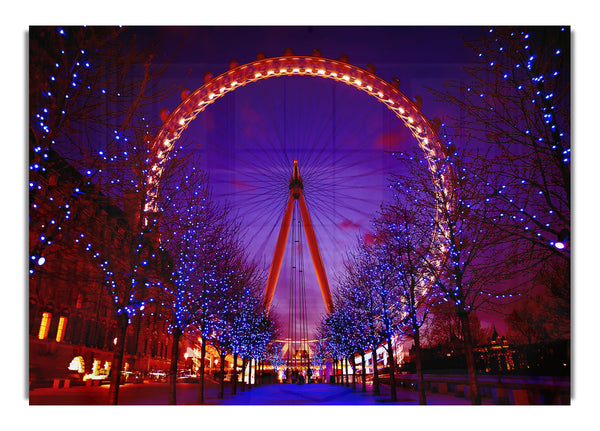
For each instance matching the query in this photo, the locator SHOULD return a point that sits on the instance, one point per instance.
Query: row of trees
(93, 94)
(481, 224)
(214, 291)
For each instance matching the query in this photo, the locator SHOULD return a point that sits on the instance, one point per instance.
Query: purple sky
(248, 139)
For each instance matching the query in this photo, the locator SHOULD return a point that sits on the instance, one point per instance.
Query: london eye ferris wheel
(251, 122)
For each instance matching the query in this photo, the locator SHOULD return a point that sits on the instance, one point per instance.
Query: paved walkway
(329, 394)
(276, 394)
(291, 394)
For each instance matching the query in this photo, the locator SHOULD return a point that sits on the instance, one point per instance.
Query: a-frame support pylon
(296, 194)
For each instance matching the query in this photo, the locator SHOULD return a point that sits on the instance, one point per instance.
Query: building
(495, 356)
(72, 320)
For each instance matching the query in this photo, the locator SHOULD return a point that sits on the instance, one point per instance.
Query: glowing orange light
(44, 326)
(62, 321)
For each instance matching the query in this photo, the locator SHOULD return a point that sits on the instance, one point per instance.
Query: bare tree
(92, 90)
(359, 295)
(445, 333)
(245, 305)
(382, 275)
(88, 89)
(545, 316)
(471, 259)
(408, 243)
(369, 298)
(240, 310)
(516, 102)
(189, 223)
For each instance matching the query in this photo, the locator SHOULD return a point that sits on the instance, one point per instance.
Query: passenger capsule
(184, 94)
(418, 101)
(164, 114)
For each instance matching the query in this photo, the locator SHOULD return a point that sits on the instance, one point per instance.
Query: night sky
(342, 138)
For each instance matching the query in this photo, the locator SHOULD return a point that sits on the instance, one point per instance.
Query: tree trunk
(243, 374)
(201, 380)
(221, 376)
(249, 373)
(333, 370)
(471, 371)
(375, 371)
(234, 375)
(173, 367)
(117, 364)
(345, 360)
(364, 372)
(257, 373)
(419, 361)
(353, 374)
(392, 365)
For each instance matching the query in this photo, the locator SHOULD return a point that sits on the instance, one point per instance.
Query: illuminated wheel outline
(238, 76)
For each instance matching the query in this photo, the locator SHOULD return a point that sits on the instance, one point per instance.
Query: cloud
(391, 141)
(368, 238)
(349, 224)
(241, 186)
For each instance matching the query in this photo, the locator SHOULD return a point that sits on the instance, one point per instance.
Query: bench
(61, 383)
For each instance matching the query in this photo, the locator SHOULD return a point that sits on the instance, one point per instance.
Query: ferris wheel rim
(365, 80)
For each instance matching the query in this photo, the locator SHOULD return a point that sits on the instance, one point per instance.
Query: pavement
(330, 394)
(274, 394)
